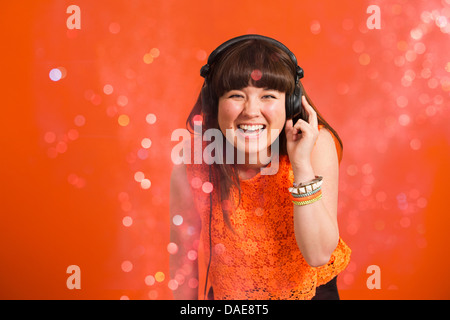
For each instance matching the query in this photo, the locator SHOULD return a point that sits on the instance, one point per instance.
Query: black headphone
(293, 101)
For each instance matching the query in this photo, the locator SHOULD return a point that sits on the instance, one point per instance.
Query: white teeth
(251, 127)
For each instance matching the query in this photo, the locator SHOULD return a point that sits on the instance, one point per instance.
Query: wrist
(303, 173)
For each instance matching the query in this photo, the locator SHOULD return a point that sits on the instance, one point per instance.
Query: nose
(251, 108)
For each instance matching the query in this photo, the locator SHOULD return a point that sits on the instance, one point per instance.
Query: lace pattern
(260, 259)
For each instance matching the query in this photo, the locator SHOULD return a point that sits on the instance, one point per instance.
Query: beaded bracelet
(295, 195)
(307, 198)
(303, 203)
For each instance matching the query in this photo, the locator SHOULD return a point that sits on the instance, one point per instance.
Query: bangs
(255, 63)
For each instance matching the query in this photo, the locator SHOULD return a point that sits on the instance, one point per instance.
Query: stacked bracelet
(307, 186)
(303, 203)
(308, 192)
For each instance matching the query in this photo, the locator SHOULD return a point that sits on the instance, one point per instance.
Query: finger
(292, 131)
(289, 123)
(312, 115)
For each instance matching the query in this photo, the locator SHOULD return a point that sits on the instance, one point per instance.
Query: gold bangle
(303, 203)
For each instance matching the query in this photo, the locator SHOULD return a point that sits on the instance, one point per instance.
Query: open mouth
(251, 130)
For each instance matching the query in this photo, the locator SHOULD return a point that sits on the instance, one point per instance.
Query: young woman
(246, 233)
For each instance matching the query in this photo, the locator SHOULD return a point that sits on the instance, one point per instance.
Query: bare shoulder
(325, 147)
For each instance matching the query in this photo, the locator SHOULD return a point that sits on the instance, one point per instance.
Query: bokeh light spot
(127, 266)
(139, 176)
(108, 89)
(146, 184)
(201, 55)
(142, 154)
(196, 183)
(415, 144)
(160, 276)
(79, 120)
(198, 118)
(123, 120)
(177, 220)
(114, 27)
(364, 59)
(219, 248)
(149, 280)
(192, 255)
(73, 134)
(127, 221)
(55, 74)
(256, 75)
(49, 137)
(207, 187)
(154, 52)
(259, 211)
(122, 100)
(146, 143)
(173, 284)
(193, 283)
(172, 248)
(148, 58)
(150, 118)
(404, 120)
(315, 27)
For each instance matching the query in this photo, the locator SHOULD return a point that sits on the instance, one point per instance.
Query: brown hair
(233, 70)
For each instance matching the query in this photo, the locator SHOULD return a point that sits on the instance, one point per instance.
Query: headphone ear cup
(294, 104)
(289, 107)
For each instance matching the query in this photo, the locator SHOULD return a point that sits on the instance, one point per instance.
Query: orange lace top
(261, 258)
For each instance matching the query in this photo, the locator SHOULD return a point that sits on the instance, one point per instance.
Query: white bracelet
(306, 187)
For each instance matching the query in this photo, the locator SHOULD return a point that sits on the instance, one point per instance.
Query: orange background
(71, 148)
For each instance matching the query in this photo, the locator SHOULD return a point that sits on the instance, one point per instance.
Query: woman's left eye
(269, 96)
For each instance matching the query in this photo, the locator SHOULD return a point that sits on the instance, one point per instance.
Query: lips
(251, 130)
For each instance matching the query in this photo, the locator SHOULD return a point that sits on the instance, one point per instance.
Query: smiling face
(247, 87)
(251, 118)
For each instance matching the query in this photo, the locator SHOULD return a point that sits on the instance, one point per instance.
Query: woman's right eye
(235, 96)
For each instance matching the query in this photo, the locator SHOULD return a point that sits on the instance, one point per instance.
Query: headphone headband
(204, 71)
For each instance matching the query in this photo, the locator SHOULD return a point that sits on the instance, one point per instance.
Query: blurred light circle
(160, 276)
(108, 89)
(55, 74)
(173, 284)
(149, 280)
(79, 120)
(146, 143)
(114, 27)
(127, 266)
(172, 248)
(315, 27)
(177, 220)
(123, 120)
(150, 118)
(139, 176)
(127, 221)
(50, 137)
(207, 187)
(145, 184)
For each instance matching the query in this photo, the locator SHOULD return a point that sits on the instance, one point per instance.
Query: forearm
(315, 228)
(316, 234)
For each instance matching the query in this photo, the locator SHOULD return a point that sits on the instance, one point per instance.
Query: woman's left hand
(301, 138)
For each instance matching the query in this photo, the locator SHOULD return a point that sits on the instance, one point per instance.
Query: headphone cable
(210, 240)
